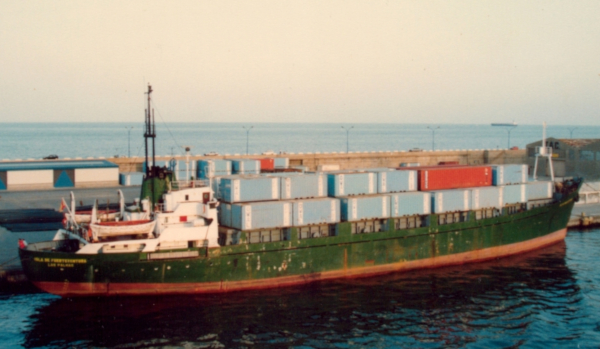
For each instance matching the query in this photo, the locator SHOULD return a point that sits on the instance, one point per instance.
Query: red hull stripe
(89, 289)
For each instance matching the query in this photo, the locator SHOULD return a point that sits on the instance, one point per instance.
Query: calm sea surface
(22, 140)
(546, 299)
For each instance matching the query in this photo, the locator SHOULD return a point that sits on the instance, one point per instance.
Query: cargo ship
(244, 225)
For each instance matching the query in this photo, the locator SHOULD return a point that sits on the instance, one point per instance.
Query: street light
(571, 131)
(509, 127)
(129, 128)
(347, 137)
(247, 136)
(433, 136)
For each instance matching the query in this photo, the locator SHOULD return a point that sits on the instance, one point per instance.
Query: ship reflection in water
(548, 298)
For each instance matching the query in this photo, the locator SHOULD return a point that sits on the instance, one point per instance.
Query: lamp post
(509, 127)
(433, 136)
(571, 131)
(247, 136)
(348, 137)
(508, 130)
(129, 128)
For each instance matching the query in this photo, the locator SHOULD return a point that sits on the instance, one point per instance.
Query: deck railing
(186, 184)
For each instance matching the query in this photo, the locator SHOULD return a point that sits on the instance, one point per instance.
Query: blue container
(410, 203)
(224, 214)
(410, 164)
(249, 188)
(351, 183)
(509, 174)
(365, 207)
(513, 194)
(393, 181)
(315, 211)
(281, 162)
(261, 215)
(310, 185)
(540, 190)
(131, 178)
(450, 200)
(212, 168)
(245, 166)
(486, 197)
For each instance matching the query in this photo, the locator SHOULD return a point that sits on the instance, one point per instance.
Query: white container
(393, 181)
(410, 203)
(298, 186)
(486, 197)
(365, 207)
(450, 200)
(316, 211)
(261, 215)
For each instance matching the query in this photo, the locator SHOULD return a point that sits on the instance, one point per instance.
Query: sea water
(82, 140)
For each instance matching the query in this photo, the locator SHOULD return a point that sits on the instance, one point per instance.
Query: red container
(454, 177)
(266, 164)
(446, 163)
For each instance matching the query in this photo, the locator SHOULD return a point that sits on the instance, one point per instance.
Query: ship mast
(150, 133)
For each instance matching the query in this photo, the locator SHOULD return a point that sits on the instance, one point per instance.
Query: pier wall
(354, 160)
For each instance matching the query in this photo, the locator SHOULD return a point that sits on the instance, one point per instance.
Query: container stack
(279, 200)
(513, 181)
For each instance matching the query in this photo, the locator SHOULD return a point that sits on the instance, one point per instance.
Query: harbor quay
(352, 160)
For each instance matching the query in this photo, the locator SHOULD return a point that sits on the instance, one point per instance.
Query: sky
(344, 62)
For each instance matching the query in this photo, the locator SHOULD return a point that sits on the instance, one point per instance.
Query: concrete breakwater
(354, 160)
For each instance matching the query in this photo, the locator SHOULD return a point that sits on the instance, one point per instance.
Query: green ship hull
(343, 250)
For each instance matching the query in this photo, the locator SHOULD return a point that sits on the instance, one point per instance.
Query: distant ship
(505, 124)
